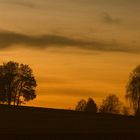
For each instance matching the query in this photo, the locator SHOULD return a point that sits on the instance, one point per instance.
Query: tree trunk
(9, 94)
(138, 107)
(14, 100)
(9, 98)
(18, 100)
(19, 93)
(15, 97)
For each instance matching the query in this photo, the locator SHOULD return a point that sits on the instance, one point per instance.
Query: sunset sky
(76, 48)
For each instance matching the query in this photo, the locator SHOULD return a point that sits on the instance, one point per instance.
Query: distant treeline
(112, 104)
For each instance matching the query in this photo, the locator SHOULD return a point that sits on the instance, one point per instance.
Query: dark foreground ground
(39, 123)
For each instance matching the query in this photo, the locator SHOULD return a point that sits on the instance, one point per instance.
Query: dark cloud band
(8, 39)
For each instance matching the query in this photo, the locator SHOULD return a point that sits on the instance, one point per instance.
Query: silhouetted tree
(7, 78)
(3, 98)
(81, 105)
(133, 90)
(110, 104)
(17, 83)
(91, 106)
(3, 94)
(25, 84)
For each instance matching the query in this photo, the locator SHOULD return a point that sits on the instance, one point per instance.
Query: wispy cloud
(24, 3)
(107, 18)
(8, 39)
(51, 80)
(76, 92)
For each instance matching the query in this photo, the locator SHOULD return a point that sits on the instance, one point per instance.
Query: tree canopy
(17, 83)
(91, 106)
(110, 104)
(87, 106)
(81, 105)
(133, 89)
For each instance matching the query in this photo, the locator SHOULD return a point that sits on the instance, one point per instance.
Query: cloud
(8, 39)
(76, 92)
(50, 80)
(24, 3)
(107, 18)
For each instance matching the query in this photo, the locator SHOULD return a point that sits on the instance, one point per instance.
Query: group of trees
(17, 83)
(88, 106)
(111, 103)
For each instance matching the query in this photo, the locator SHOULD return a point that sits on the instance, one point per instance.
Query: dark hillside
(30, 121)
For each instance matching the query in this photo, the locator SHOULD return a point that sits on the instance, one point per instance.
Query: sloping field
(40, 122)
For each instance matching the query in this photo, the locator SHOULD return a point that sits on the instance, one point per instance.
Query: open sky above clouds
(77, 48)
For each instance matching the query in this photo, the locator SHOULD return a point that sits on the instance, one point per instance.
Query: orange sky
(77, 48)
(66, 76)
